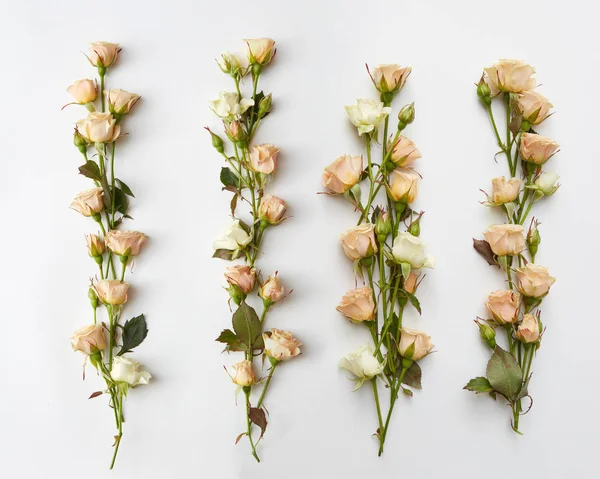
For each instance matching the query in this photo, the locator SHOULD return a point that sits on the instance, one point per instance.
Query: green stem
(267, 383)
(394, 396)
(491, 115)
(249, 423)
(366, 211)
(378, 406)
(112, 186)
(102, 92)
(118, 437)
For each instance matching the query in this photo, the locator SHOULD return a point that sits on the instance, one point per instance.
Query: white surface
(184, 424)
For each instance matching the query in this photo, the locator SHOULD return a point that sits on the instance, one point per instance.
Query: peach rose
(260, 50)
(99, 128)
(411, 283)
(534, 107)
(272, 209)
(281, 345)
(89, 202)
(263, 158)
(534, 281)
(241, 276)
(95, 245)
(505, 239)
(404, 152)
(125, 243)
(103, 54)
(529, 329)
(272, 289)
(403, 186)
(359, 242)
(120, 102)
(390, 78)
(414, 344)
(243, 374)
(358, 305)
(512, 76)
(505, 191)
(112, 291)
(504, 306)
(343, 173)
(83, 91)
(89, 339)
(537, 148)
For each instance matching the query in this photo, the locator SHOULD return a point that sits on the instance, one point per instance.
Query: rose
(112, 291)
(403, 186)
(529, 329)
(260, 50)
(534, 281)
(234, 238)
(505, 239)
(358, 305)
(120, 102)
(359, 242)
(89, 339)
(241, 276)
(89, 202)
(367, 114)
(411, 250)
(512, 76)
(545, 183)
(263, 158)
(390, 78)
(343, 173)
(281, 345)
(233, 64)
(229, 106)
(414, 344)
(362, 363)
(95, 245)
(125, 243)
(272, 290)
(505, 191)
(243, 374)
(534, 107)
(537, 148)
(411, 283)
(504, 306)
(127, 370)
(103, 54)
(404, 152)
(272, 209)
(99, 128)
(83, 91)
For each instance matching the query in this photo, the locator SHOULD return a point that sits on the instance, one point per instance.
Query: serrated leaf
(479, 385)
(524, 389)
(135, 331)
(412, 377)
(413, 300)
(485, 250)
(121, 201)
(223, 254)
(228, 178)
(504, 374)
(125, 188)
(258, 417)
(247, 326)
(229, 338)
(91, 170)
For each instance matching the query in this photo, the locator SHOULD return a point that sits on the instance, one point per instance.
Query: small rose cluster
(516, 309)
(249, 169)
(107, 345)
(391, 257)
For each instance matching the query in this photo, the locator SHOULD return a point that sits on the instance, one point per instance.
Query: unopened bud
(80, 142)
(415, 227)
(264, 106)
(236, 293)
(484, 93)
(234, 132)
(383, 226)
(406, 116)
(217, 143)
(487, 333)
(93, 297)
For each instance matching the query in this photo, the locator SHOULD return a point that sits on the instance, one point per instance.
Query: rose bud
(390, 78)
(83, 91)
(359, 242)
(112, 291)
(89, 339)
(103, 54)
(263, 158)
(272, 290)
(404, 152)
(125, 243)
(264, 106)
(234, 131)
(367, 114)
(484, 92)
(280, 345)
(410, 250)
(411, 283)
(233, 64)
(229, 105)
(504, 191)
(504, 306)
(545, 184)
(529, 329)
(127, 370)
(383, 226)
(403, 186)
(534, 281)
(488, 334)
(537, 148)
(512, 76)
(241, 276)
(406, 116)
(533, 239)
(358, 305)
(99, 128)
(89, 202)
(95, 245)
(362, 364)
(534, 107)
(272, 210)
(414, 345)
(120, 102)
(343, 173)
(235, 238)
(505, 239)
(260, 50)
(243, 374)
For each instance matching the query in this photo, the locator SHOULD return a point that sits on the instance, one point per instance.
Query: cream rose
(83, 91)
(272, 210)
(263, 158)
(343, 173)
(367, 114)
(537, 148)
(414, 344)
(534, 107)
(120, 102)
(242, 276)
(358, 305)
(89, 339)
(243, 374)
(233, 64)
(99, 128)
(260, 50)
(103, 54)
(281, 345)
(272, 290)
(505, 239)
(546, 183)
(411, 250)
(89, 202)
(512, 76)
(390, 78)
(403, 186)
(529, 329)
(504, 306)
(112, 291)
(534, 281)
(229, 106)
(95, 245)
(125, 243)
(127, 370)
(362, 363)
(233, 239)
(404, 152)
(505, 191)
(359, 242)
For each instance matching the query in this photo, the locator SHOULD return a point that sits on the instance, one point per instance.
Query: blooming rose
(243, 374)
(390, 78)
(125, 243)
(504, 306)
(358, 305)
(529, 329)
(403, 186)
(546, 183)
(272, 209)
(234, 238)
(263, 158)
(89, 202)
(83, 91)
(232, 63)
(120, 102)
(367, 114)
(229, 106)
(505, 239)
(510, 76)
(534, 107)
(99, 128)
(505, 191)
(537, 148)
(359, 242)
(343, 173)
(95, 245)
(112, 291)
(127, 370)
(103, 54)
(281, 345)
(89, 339)
(362, 363)
(534, 281)
(411, 249)
(260, 50)
(242, 276)
(272, 289)
(414, 344)
(404, 152)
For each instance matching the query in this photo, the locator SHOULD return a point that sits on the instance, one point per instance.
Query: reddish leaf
(96, 394)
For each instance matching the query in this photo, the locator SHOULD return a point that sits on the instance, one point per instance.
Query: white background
(184, 423)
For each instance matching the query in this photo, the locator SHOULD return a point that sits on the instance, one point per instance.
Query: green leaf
(524, 392)
(90, 170)
(479, 385)
(258, 417)
(504, 374)
(223, 254)
(125, 188)
(229, 338)
(247, 326)
(134, 333)
(228, 177)
(121, 201)
(413, 375)
(413, 300)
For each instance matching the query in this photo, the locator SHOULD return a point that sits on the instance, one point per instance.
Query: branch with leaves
(516, 310)
(107, 344)
(385, 247)
(246, 174)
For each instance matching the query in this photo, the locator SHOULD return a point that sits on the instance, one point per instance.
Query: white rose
(362, 363)
(410, 249)
(129, 371)
(229, 107)
(367, 114)
(234, 238)
(546, 183)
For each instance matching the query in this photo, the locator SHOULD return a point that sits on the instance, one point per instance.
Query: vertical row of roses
(248, 171)
(107, 344)
(385, 247)
(515, 309)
